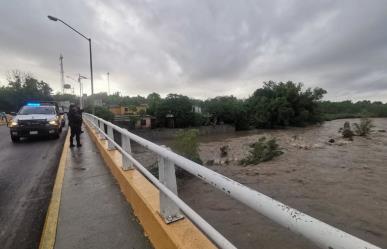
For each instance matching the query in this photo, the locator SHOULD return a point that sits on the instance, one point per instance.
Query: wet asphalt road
(27, 175)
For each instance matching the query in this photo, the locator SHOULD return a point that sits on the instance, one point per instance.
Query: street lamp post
(89, 39)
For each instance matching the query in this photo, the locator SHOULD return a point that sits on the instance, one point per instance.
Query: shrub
(186, 144)
(198, 120)
(364, 128)
(224, 150)
(261, 151)
(346, 131)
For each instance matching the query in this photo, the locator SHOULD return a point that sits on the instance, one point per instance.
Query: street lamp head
(52, 18)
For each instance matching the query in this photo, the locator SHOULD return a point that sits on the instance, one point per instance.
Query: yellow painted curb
(144, 199)
(47, 240)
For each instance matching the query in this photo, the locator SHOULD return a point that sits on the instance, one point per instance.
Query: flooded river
(342, 183)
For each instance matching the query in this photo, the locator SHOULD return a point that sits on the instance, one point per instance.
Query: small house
(146, 122)
(128, 110)
(196, 109)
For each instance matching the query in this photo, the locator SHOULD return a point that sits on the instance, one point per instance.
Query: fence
(172, 207)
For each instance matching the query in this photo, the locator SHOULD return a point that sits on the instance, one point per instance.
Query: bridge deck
(93, 212)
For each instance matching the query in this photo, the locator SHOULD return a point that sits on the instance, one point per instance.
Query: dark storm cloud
(203, 48)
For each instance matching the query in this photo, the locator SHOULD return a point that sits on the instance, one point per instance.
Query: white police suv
(36, 119)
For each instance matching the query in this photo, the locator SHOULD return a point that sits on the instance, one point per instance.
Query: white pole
(80, 92)
(62, 72)
(108, 82)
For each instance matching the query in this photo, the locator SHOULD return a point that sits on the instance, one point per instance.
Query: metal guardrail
(322, 234)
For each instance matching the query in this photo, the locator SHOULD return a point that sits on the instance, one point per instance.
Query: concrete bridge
(104, 198)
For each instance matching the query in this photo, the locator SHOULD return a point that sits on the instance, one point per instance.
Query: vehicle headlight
(53, 122)
(13, 123)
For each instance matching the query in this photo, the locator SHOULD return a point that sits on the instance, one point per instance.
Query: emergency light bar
(33, 104)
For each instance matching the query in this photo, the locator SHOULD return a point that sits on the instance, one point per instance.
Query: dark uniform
(75, 122)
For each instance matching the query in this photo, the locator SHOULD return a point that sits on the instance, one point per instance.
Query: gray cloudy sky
(202, 48)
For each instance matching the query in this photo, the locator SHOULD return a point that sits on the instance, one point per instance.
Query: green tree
(229, 110)
(180, 107)
(284, 104)
(154, 101)
(21, 88)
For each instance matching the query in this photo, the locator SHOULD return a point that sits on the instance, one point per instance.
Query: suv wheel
(15, 139)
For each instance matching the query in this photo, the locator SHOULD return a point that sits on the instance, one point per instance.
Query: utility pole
(108, 83)
(62, 72)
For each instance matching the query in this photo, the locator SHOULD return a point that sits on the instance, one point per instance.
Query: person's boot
(71, 142)
(78, 142)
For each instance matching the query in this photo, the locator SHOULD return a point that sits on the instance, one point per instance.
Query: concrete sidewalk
(93, 212)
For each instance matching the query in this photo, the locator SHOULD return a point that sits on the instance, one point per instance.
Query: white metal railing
(322, 234)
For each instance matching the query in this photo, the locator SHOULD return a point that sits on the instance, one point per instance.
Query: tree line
(275, 104)
(349, 109)
(22, 87)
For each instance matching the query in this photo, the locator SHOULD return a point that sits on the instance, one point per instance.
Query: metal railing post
(95, 121)
(111, 135)
(101, 127)
(126, 163)
(168, 209)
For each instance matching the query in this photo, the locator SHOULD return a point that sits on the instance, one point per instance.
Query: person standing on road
(80, 112)
(75, 123)
(3, 116)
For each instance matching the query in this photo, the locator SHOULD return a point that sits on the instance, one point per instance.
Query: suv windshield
(27, 110)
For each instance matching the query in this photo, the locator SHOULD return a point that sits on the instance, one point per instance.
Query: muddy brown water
(343, 184)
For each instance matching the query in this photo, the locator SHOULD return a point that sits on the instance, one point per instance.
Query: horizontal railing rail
(322, 234)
